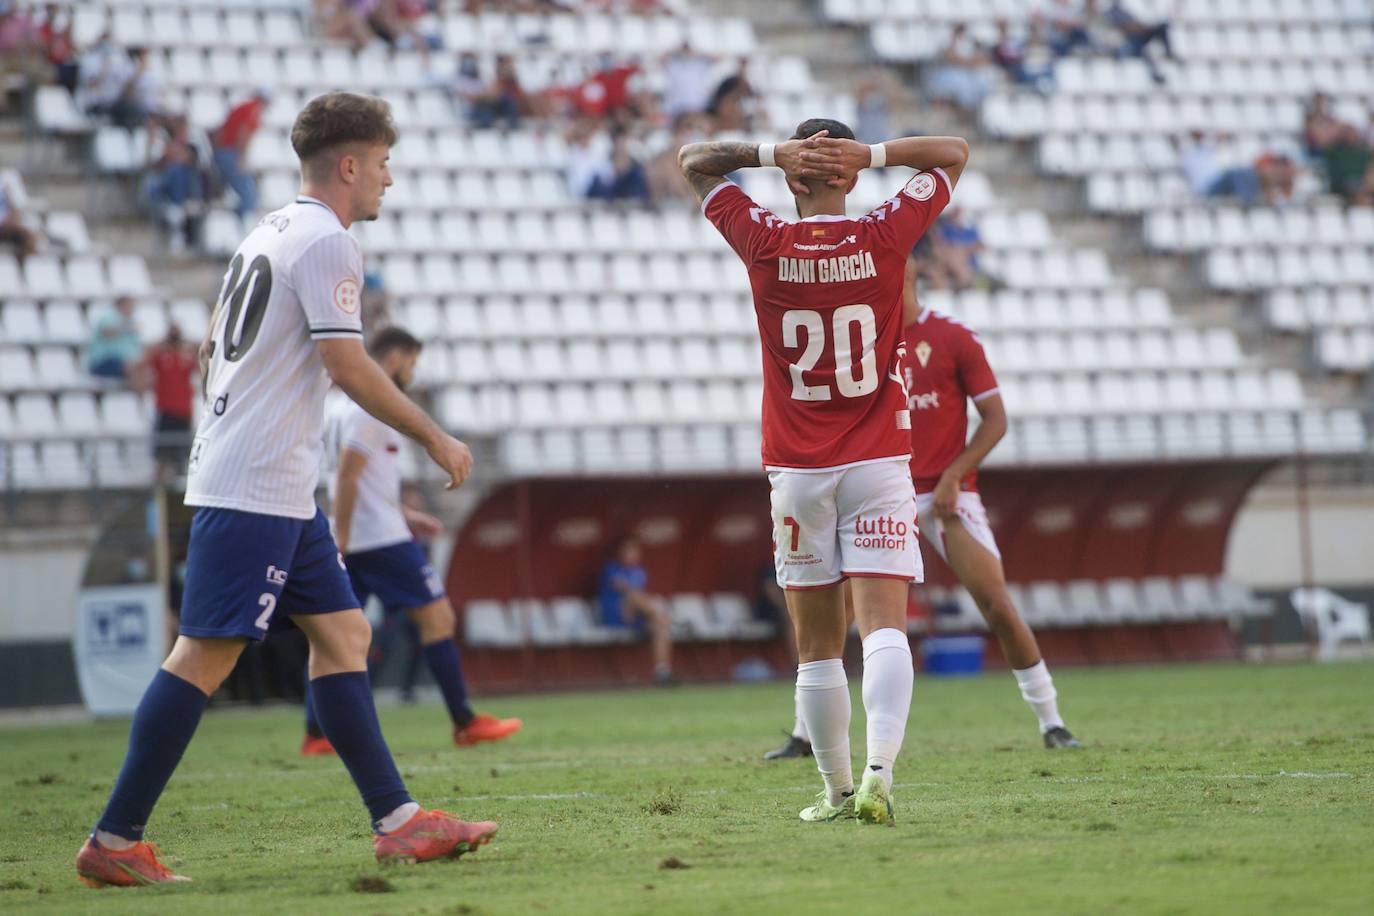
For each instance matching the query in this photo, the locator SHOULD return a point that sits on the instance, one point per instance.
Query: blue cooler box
(953, 656)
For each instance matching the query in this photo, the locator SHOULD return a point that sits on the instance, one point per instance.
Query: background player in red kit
(946, 367)
(836, 427)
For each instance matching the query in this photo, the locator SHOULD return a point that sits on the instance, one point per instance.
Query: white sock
(888, 679)
(1037, 689)
(397, 819)
(823, 699)
(799, 727)
(114, 841)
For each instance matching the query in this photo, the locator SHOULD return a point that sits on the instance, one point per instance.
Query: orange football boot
(99, 866)
(432, 835)
(316, 747)
(485, 728)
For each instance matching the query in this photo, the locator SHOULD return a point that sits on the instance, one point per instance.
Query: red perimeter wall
(549, 537)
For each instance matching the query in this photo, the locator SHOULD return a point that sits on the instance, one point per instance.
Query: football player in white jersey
(377, 535)
(286, 324)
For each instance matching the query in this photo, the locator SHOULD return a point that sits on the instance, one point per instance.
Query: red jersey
(945, 366)
(240, 124)
(172, 388)
(828, 299)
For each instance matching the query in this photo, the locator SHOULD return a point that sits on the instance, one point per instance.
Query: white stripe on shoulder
(948, 184)
(713, 192)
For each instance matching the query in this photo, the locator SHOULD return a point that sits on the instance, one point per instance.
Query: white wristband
(766, 155)
(879, 154)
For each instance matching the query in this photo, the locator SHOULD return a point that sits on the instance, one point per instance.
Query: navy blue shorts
(398, 574)
(245, 569)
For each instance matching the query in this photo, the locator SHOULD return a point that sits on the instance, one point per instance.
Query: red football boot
(485, 728)
(432, 835)
(99, 866)
(316, 747)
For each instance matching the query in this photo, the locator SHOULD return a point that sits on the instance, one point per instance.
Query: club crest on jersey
(920, 187)
(276, 576)
(346, 295)
(923, 353)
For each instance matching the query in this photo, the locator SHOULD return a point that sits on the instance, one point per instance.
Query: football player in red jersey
(836, 426)
(946, 368)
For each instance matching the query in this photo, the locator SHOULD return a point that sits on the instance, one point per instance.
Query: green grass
(1203, 790)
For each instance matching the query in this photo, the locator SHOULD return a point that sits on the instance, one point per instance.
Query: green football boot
(873, 801)
(823, 811)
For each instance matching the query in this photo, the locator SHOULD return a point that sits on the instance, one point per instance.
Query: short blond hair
(338, 118)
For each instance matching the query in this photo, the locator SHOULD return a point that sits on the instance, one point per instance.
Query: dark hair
(335, 118)
(620, 543)
(393, 338)
(837, 129)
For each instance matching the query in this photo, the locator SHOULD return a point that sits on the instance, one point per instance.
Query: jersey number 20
(245, 298)
(813, 323)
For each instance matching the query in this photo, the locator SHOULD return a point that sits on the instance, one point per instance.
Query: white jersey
(378, 520)
(294, 280)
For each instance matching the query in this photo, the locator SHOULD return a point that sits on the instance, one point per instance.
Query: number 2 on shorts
(268, 602)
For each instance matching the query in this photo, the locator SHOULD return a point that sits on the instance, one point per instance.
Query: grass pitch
(1202, 790)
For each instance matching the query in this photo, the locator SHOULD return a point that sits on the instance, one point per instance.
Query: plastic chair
(1333, 617)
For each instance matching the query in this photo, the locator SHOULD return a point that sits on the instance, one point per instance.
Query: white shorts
(972, 516)
(855, 521)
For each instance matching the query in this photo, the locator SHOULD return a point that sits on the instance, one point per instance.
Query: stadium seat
(487, 623)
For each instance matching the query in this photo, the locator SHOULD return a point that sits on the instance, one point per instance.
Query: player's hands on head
(454, 457)
(834, 160)
(946, 497)
(788, 157)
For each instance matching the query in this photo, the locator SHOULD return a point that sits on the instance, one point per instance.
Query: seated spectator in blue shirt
(625, 603)
(114, 342)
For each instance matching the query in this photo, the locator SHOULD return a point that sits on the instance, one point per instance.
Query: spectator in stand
(170, 366)
(1137, 35)
(115, 347)
(1278, 175)
(585, 156)
(734, 102)
(687, 82)
(666, 181)
(56, 36)
(1068, 27)
(958, 248)
(174, 182)
(14, 231)
(623, 179)
(626, 603)
(928, 261)
(340, 20)
(606, 93)
(1010, 53)
(964, 72)
(103, 73)
(230, 144)
(21, 46)
(1347, 162)
(1320, 127)
(397, 22)
(1201, 161)
(875, 95)
(483, 103)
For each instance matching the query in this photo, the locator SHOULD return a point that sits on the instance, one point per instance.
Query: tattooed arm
(706, 164)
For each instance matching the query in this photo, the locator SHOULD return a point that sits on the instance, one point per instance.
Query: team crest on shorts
(920, 187)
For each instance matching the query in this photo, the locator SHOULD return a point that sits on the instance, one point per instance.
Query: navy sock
(343, 704)
(163, 724)
(447, 668)
(312, 719)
